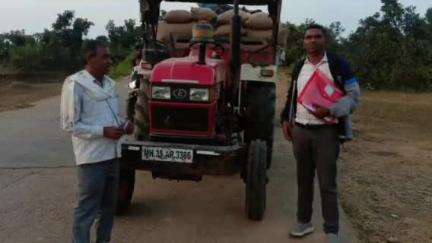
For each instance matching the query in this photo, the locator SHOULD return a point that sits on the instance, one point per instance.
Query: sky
(35, 15)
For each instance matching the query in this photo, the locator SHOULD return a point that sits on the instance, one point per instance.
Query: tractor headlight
(161, 92)
(199, 94)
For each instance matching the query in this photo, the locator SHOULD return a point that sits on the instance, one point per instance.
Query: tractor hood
(185, 70)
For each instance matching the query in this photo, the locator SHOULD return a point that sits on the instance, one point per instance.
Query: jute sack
(225, 17)
(259, 21)
(203, 14)
(262, 35)
(178, 16)
(225, 31)
(177, 30)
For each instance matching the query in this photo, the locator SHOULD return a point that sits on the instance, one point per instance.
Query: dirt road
(36, 204)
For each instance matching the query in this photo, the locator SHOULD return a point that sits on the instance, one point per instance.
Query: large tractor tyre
(125, 190)
(260, 102)
(256, 180)
(141, 114)
(130, 108)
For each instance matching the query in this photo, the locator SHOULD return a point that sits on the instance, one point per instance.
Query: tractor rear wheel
(125, 190)
(130, 107)
(260, 101)
(256, 180)
(141, 114)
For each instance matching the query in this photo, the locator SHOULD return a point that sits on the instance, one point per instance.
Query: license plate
(167, 154)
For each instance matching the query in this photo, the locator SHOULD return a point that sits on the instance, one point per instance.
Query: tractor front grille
(183, 119)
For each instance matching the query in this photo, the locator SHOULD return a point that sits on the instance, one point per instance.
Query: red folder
(319, 92)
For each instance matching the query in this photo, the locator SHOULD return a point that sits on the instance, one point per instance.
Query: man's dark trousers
(317, 148)
(97, 195)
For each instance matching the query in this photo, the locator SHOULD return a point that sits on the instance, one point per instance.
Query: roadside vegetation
(123, 68)
(392, 49)
(59, 47)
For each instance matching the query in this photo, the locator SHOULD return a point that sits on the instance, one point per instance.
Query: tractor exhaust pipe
(202, 54)
(202, 33)
(235, 40)
(235, 52)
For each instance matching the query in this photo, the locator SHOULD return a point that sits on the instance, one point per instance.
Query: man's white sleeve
(70, 113)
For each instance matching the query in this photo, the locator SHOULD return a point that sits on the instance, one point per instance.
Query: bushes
(123, 38)
(57, 49)
(60, 48)
(28, 57)
(123, 68)
(391, 49)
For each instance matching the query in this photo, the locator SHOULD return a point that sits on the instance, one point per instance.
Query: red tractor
(204, 105)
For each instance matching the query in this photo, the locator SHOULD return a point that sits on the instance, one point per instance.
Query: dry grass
(21, 95)
(411, 112)
(386, 179)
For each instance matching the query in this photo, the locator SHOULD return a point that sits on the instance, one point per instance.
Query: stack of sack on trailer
(255, 27)
(177, 25)
(224, 23)
(259, 27)
(204, 15)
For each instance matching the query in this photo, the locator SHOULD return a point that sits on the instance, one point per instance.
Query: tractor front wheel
(256, 180)
(125, 190)
(260, 100)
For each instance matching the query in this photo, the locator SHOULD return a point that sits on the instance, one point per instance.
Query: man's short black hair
(319, 27)
(90, 48)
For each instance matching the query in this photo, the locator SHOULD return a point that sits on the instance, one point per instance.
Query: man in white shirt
(303, 115)
(316, 134)
(90, 114)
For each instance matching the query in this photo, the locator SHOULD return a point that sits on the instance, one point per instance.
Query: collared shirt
(86, 108)
(303, 116)
(100, 83)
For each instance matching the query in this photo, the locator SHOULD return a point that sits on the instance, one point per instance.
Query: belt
(316, 126)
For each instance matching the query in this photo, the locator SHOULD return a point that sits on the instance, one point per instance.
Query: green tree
(63, 43)
(102, 39)
(392, 49)
(18, 38)
(393, 14)
(58, 48)
(27, 58)
(5, 47)
(123, 38)
(295, 34)
(428, 16)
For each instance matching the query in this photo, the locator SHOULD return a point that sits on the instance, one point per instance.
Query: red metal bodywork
(186, 71)
(210, 133)
(214, 74)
